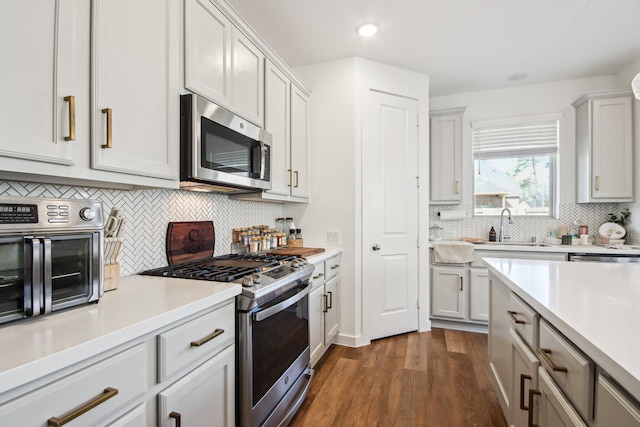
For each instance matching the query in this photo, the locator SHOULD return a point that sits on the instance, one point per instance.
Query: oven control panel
(35, 214)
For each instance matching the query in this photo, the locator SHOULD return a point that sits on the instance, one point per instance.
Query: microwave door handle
(33, 280)
(263, 160)
(46, 279)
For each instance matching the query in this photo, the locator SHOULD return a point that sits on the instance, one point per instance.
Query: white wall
(337, 102)
(623, 79)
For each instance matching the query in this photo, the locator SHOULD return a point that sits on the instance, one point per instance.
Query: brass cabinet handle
(208, 338)
(108, 393)
(290, 177)
(326, 307)
(318, 276)
(335, 266)
(522, 378)
(512, 314)
(176, 416)
(109, 114)
(330, 299)
(72, 118)
(295, 173)
(545, 352)
(532, 393)
(457, 187)
(598, 183)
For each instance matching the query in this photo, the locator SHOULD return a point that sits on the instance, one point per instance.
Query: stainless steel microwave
(50, 255)
(220, 151)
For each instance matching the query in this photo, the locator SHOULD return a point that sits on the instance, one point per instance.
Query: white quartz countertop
(39, 346)
(328, 253)
(595, 305)
(589, 249)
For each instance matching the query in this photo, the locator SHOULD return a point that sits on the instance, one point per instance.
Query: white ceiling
(463, 45)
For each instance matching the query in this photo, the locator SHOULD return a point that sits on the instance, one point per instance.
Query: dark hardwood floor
(437, 378)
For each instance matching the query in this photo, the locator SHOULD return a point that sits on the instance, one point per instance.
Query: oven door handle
(268, 312)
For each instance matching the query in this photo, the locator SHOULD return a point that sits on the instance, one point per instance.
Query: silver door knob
(375, 247)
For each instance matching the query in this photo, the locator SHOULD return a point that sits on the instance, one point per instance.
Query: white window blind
(538, 137)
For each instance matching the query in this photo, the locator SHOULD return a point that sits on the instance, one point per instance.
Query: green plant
(622, 219)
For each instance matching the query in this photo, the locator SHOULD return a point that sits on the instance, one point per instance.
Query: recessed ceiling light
(517, 76)
(367, 30)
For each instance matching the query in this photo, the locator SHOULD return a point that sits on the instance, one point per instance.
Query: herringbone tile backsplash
(523, 229)
(148, 213)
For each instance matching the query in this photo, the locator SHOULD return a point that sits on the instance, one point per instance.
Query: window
(515, 166)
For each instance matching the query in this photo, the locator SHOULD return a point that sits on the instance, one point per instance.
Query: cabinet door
(247, 78)
(277, 122)
(137, 417)
(299, 178)
(331, 316)
(479, 294)
(316, 323)
(613, 406)
(207, 52)
(523, 378)
(550, 407)
(40, 53)
(446, 156)
(500, 343)
(447, 292)
(135, 103)
(612, 148)
(204, 397)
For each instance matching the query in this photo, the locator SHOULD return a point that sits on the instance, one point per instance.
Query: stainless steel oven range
(273, 372)
(50, 255)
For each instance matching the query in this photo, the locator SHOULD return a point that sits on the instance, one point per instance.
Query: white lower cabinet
(550, 407)
(500, 344)
(479, 294)
(137, 417)
(448, 296)
(204, 397)
(613, 406)
(324, 307)
(524, 377)
(86, 397)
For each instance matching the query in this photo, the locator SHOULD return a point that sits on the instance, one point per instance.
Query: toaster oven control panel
(18, 214)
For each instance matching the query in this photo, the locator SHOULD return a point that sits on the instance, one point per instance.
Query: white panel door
(276, 121)
(40, 69)
(135, 82)
(390, 214)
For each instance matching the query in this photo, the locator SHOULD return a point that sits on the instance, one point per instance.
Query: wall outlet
(333, 236)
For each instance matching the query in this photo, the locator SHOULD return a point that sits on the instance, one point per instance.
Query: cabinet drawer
(199, 338)
(571, 369)
(114, 382)
(613, 406)
(524, 320)
(332, 266)
(318, 274)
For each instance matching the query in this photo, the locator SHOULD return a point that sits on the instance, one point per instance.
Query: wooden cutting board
(302, 252)
(189, 241)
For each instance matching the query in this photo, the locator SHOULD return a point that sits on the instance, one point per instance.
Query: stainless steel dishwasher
(622, 258)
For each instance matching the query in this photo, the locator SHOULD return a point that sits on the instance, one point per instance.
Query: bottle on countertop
(292, 234)
(492, 235)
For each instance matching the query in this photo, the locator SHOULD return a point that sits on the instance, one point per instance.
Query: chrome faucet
(502, 237)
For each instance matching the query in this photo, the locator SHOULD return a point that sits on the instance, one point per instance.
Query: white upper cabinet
(221, 63)
(299, 177)
(135, 103)
(277, 122)
(247, 76)
(207, 38)
(41, 44)
(446, 156)
(604, 147)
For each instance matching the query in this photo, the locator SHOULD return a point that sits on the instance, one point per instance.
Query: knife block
(111, 276)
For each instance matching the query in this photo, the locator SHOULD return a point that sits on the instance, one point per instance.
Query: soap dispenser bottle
(492, 235)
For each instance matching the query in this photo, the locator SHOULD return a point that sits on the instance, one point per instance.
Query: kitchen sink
(533, 244)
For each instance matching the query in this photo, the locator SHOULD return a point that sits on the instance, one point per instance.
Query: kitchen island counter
(39, 346)
(595, 305)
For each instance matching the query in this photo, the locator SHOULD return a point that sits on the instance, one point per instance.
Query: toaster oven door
(15, 278)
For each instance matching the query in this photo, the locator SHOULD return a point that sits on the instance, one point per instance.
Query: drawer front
(332, 266)
(113, 382)
(571, 369)
(524, 320)
(197, 339)
(318, 274)
(613, 406)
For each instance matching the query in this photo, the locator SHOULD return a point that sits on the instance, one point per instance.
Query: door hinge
(418, 121)
(418, 304)
(418, 181)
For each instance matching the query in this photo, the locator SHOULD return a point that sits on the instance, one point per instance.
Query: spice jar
(254, 245)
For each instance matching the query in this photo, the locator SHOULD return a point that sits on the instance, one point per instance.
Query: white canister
(584, 239)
